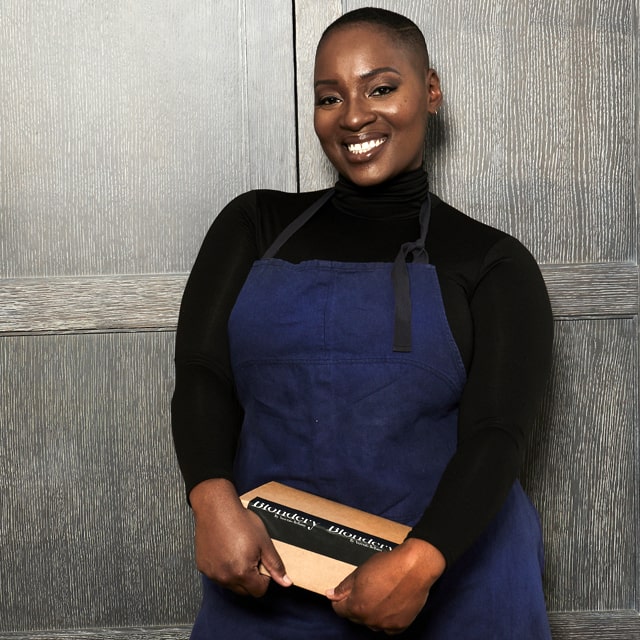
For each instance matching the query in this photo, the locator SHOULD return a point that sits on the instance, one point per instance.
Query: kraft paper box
(320, 541)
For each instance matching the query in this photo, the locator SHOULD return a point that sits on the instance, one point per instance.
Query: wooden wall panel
(128, 125)
(94, 527)
(582, 467)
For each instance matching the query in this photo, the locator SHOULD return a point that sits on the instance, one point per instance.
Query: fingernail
(330, 593)
(287, 580)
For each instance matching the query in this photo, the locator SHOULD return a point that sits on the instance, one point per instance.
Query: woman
(375, 346)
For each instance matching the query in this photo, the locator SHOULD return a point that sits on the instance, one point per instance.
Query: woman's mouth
(360, 148)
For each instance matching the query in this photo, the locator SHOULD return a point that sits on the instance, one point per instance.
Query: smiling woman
(374, 346)
(372, 108)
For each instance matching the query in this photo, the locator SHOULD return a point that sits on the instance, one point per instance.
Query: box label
(315, 534)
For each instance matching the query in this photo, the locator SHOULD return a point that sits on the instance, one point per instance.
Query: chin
(369, 178)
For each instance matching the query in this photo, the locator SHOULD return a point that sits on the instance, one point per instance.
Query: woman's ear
(434, 91)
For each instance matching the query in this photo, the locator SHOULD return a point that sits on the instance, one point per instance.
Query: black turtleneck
(494, 298)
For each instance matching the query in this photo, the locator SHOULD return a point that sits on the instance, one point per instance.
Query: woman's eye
(327, 100)
(383, 90)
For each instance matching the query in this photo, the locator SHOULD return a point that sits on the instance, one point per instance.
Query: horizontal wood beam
(592, 290)
(91, 303)
(574, 625)
(150, 302)
(595, 625)
(138, 633)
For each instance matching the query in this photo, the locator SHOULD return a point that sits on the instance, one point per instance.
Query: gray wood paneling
(597, 625)
(91, 303)
(128, 125)
(582, 468)
(603, 625)
(131, 633)
(589, 290)
(94, 527)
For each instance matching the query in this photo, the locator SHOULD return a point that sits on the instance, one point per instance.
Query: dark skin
(373, 101)
(231, 542)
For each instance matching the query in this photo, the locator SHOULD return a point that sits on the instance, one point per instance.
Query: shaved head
(403, 32)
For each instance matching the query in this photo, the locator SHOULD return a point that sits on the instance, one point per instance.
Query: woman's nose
(357, 112)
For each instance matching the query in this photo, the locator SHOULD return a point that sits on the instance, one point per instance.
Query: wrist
(213, 493)
(424, 558)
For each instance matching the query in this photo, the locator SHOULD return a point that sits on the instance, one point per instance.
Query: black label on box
(315, 534)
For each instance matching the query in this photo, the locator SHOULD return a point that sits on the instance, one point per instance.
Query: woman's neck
(399, 197)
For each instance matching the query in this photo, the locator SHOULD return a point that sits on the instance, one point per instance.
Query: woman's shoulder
(447, 218)
(269, 202)
(459, 234)
(260, 215)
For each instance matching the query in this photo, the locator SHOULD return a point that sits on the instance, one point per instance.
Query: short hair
(404, 32)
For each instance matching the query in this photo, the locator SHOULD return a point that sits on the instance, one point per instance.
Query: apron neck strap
(296, 224)
(401, 283)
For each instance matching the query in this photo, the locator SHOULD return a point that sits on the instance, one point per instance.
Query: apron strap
(296, 224)
(399, 272)
(401, 284)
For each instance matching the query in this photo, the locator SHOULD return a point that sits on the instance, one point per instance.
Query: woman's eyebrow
(363, 76)
(317, 82)
(379, 70)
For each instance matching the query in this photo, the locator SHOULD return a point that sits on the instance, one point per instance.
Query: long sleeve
(512, 338)
(206, 415)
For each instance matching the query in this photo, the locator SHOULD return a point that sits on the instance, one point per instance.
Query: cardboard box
(320, 541)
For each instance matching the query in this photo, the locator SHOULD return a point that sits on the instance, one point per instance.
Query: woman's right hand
(232, 542)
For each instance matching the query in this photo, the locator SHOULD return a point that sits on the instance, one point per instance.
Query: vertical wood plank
(127, 126)
(94, 527)
(582, 467)
(311, 20)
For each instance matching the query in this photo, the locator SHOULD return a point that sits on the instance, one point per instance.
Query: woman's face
(373, 98)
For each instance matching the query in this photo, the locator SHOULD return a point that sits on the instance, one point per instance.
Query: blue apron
(331, 408)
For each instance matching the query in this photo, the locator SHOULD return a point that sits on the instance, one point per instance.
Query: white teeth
(365, 146)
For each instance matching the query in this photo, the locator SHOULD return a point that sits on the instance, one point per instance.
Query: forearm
(512, 339)
(470, 493)
(206, 419)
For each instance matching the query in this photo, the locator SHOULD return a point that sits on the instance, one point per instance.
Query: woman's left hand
(387, 592)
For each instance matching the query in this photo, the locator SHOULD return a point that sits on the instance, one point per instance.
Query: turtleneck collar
(399, 197)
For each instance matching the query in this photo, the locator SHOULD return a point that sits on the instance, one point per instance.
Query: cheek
(322, 125)
(404, 116)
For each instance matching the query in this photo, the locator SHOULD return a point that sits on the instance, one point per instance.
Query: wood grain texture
(312, 18)
(591, 290)
(151, 302)
(595, 625)
(98, 303)
(602, 625)
(582, 469)
(128, 126)
(130, 633)
(94, 526)
(524, 141)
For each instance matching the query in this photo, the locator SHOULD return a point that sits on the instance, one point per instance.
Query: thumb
(272, 562)
(342, 590)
